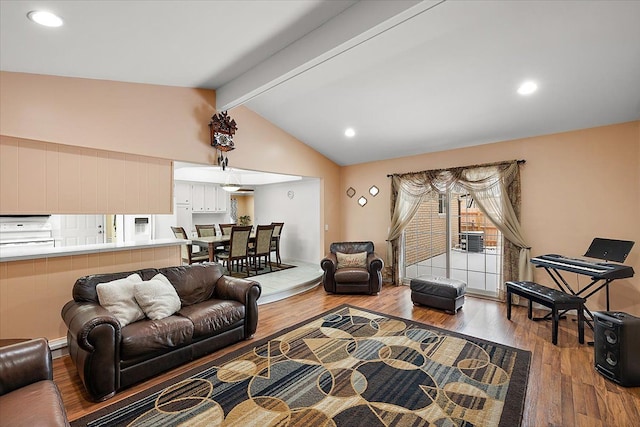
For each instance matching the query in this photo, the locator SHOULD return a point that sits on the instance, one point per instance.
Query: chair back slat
(185, 250)
(263, 239)
(179, 233)
(277, 228)
(207, 230)
(275, 239)
(239, 241)
(225, 229)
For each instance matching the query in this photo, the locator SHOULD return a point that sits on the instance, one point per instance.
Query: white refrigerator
(134, 228)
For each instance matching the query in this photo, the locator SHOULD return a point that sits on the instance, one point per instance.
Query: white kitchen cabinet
(211, 198)
(182, 192)
(208, 198)
(198, 203)
(222, 199)
(183, 218)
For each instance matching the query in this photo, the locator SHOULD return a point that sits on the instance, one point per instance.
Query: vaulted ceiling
(409, 77)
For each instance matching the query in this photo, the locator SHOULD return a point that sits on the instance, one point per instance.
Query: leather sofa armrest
(82, 318)
(329, 264)
(241, 290)
(375, 265)
(374, 262)
(245, 291)
(93, 339)
(24, 363)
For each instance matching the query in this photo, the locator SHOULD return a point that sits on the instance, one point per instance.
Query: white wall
(300, 239)
(163, 223)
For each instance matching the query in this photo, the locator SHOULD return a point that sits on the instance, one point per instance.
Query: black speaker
(617, 347)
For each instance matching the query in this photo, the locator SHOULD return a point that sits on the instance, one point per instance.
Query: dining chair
(275, 240)
(186, 251)
(262, 246)
(206, 230)
(225, 229)
(238, 252)
(209, 230)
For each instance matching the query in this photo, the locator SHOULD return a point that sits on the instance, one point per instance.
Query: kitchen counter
(26, 253)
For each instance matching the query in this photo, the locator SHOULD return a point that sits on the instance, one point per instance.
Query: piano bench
(555, 299)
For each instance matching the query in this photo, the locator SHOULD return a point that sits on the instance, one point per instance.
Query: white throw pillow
(157, 297)
(118, 297)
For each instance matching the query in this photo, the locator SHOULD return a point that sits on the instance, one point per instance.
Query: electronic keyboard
(596, 270)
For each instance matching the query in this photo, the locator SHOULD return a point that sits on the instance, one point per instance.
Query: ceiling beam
(357, 24)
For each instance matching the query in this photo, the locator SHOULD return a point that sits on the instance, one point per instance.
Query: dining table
(212, 241)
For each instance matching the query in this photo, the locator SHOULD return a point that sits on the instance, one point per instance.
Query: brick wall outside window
(426, 233)
(425, 236)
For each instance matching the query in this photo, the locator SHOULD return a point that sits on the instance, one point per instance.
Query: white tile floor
(285, 283)
(481, 270)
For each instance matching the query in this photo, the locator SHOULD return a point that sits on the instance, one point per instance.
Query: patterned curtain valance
(495, 187)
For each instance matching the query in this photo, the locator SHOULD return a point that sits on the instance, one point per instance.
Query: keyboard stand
(585, 292)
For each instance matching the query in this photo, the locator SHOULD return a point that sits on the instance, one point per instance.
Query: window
(450, 237)
(442, 204)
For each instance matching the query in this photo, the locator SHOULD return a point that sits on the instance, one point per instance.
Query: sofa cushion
(193, 283)
(357, 260)
(213, 316)
(118, 297)
(351, 275)
(147, 337)
(157, 297)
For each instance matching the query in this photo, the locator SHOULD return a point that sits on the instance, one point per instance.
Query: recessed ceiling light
(350, 133)
(47, 19)
(527, 88)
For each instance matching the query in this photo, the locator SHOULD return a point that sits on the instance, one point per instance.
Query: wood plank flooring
(563, 390)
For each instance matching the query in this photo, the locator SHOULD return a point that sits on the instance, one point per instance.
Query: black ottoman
(438, 292)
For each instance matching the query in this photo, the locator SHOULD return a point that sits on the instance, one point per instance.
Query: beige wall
(147, 120)
(245, 206)
(33, 292)
(575, 186)
(158, 121)
(264, 147)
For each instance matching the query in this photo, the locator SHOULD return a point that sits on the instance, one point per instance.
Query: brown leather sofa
(366, 278)
(28, 395)
(216, 311)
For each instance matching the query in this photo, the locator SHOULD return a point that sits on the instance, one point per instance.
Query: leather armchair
(28, 395)
(346, 280)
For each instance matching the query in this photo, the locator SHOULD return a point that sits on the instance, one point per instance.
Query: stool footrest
(438, 292)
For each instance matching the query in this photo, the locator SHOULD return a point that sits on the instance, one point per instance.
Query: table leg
(212, 252)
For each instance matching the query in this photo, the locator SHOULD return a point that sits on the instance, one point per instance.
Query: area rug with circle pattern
(346, 367)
